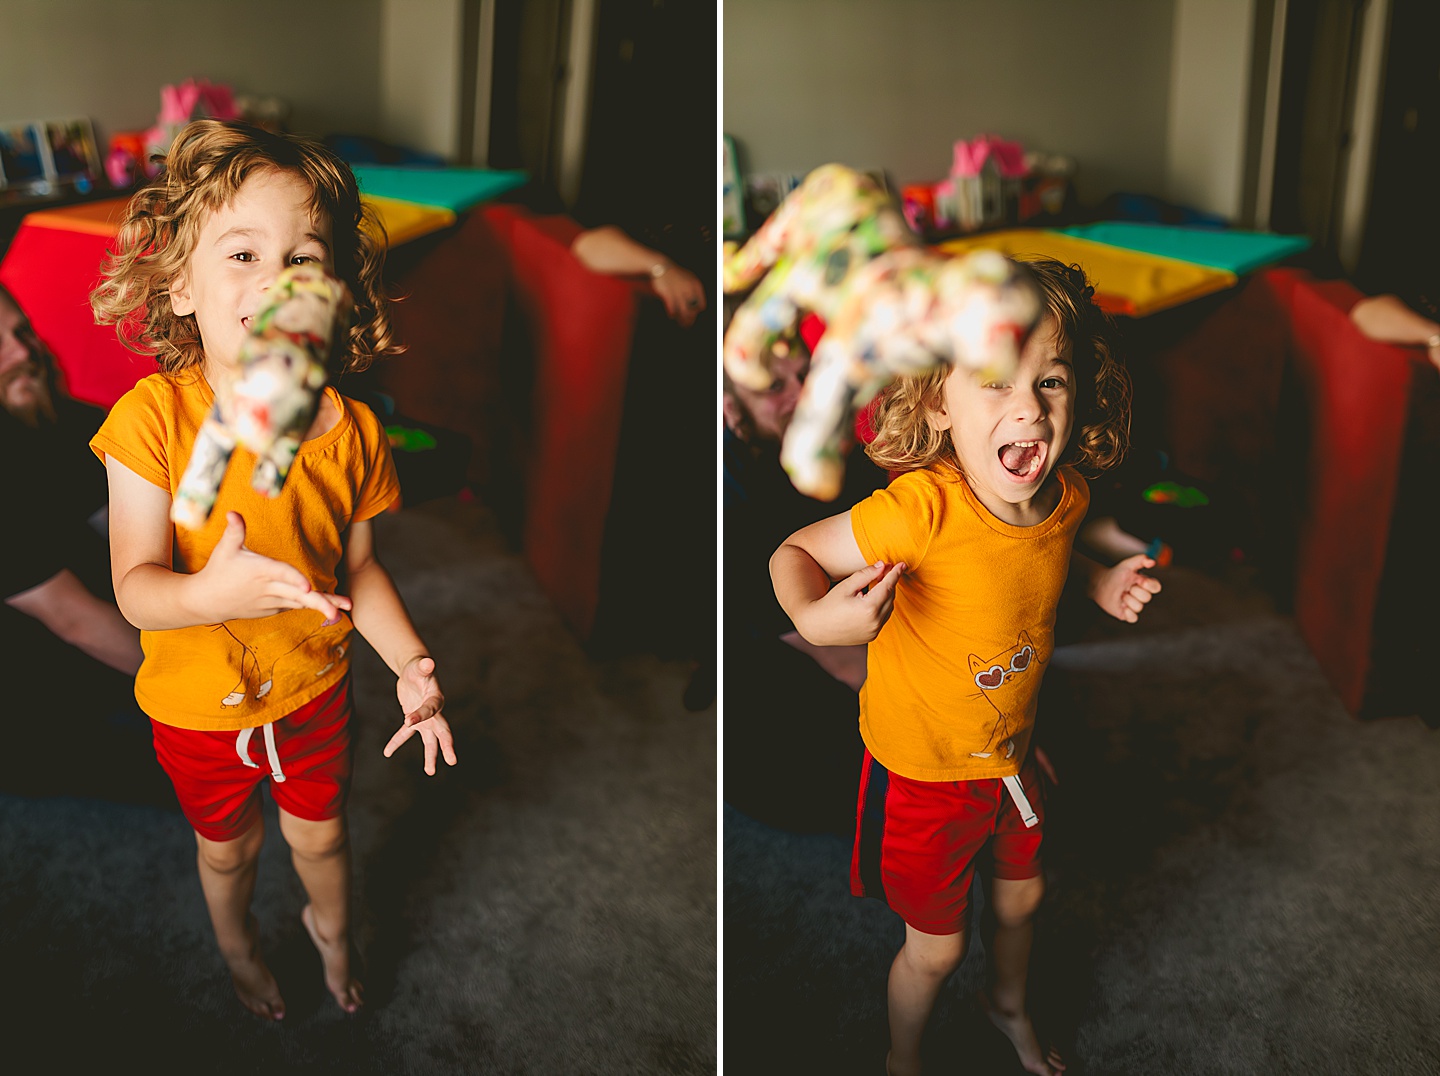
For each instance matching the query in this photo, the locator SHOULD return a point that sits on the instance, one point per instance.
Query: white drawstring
(1017, 793)
(242, 748)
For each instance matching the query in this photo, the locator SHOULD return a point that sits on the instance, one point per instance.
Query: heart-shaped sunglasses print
(994, 676)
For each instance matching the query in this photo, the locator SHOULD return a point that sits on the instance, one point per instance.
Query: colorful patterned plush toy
(839, 247)
(271, 400)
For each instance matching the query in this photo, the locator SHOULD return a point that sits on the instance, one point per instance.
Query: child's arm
(802, 570)
(235, 584)
(380, 616)
(1123, 590)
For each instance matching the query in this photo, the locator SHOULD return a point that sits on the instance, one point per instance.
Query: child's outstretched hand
(421, 699)
(1123, 590)
(238, 583)
(848, 614)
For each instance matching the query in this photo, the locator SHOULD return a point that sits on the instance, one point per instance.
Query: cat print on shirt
(1003, 681)
(251, 671)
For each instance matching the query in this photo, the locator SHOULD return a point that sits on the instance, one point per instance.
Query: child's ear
(180, 303)
(937, 416)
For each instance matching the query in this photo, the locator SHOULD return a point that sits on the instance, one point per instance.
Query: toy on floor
(1186, 520)
(1174, 493)
(838, 247)
(269, 403)
(1160, 553)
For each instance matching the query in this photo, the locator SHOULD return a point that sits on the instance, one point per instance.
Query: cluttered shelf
(1142, 254)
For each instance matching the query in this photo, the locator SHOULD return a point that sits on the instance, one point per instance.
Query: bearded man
(791, 711)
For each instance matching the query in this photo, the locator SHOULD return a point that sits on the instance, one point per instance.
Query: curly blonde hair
(203, 171)
(905, 440)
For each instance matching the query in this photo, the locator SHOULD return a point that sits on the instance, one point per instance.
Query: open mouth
(1023, 459)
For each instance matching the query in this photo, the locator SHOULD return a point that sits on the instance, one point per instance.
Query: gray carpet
(549, 906)
(1241, 877)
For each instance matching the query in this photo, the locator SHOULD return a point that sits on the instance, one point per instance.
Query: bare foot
(254, 985)
(336, 957)
(1021, 1033)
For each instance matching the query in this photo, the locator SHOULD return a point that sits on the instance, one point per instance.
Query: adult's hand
(681, 292)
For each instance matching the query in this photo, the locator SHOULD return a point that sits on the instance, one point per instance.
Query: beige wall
(893, 83)
(1210, 105)
(107, 59)
(420, 81)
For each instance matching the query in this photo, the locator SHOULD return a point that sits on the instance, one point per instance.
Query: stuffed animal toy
(270, 401)
(839, 247)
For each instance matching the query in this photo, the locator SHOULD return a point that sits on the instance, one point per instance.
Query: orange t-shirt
(954, 674)
(243, 673)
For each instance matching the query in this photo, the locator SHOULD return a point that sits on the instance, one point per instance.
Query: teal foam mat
(1239, 252)
(455, 189)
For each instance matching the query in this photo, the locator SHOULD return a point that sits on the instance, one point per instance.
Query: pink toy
(191, 100)
(987, 174)
(971, 157)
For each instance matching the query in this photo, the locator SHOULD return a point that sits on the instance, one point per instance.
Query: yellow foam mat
(405, 221)
(1126, 281)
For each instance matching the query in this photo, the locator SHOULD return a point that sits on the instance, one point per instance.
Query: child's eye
(993, 385)
(243, 256)
(303, 259)
(1053, 383)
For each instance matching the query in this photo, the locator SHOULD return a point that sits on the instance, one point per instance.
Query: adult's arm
(84, 621)
(610, 251)
(1386, 318)
(845, 663)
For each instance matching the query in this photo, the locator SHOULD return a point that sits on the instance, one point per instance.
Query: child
(952, 575)
(244, 621)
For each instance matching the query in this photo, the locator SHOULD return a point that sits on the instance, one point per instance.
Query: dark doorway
(1397, 253)
(652, 155)
(1317, 94)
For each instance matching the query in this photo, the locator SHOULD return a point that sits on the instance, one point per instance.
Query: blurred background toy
(733, 193)
(193, 99)
(987, 173)
(269, 403)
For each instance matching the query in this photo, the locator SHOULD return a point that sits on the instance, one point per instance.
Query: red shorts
(305, 755)
(916, 842)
